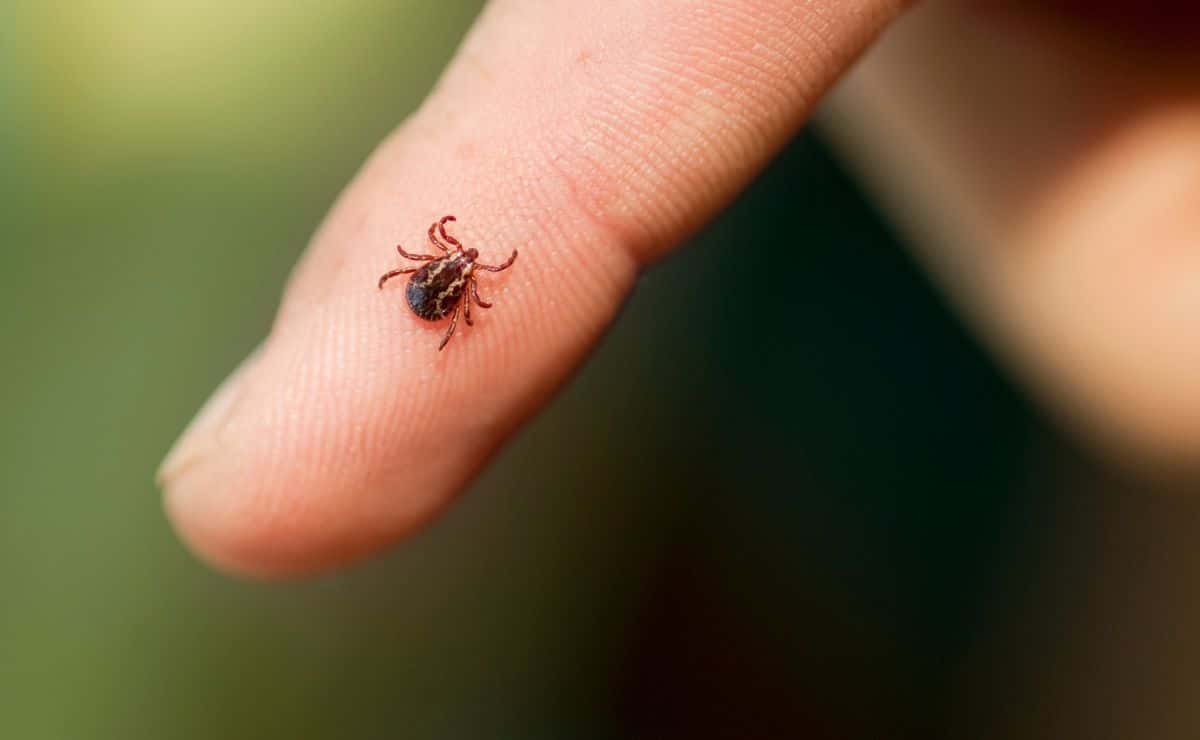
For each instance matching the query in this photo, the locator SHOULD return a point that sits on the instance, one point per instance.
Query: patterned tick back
(446, 285)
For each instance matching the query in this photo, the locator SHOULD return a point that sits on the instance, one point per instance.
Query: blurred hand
(594, 137)
(1045, 157)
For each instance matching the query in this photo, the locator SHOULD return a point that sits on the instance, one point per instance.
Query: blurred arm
(1047, 167)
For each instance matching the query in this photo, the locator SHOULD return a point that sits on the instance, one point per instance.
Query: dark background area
(790, 496)
(848, 474)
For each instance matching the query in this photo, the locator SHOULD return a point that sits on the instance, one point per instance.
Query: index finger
(591, 137)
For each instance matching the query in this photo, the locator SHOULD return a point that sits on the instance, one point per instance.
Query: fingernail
(201, 437)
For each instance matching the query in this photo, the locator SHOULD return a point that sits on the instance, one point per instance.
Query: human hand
(593, 137)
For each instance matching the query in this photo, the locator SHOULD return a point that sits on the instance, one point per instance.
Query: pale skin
(594, 137)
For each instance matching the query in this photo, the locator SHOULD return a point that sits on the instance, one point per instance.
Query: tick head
(472, 254)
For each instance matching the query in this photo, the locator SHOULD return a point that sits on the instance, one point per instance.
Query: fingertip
(259, 545)
(333, 448)
(245, 519)
(237, 552)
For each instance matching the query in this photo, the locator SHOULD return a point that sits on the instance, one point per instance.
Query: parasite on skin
(447, 284)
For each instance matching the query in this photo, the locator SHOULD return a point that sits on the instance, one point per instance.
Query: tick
(446, 285)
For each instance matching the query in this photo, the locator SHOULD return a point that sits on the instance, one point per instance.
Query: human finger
(591, 137)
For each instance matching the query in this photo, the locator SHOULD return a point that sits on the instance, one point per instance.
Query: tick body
(447, 285)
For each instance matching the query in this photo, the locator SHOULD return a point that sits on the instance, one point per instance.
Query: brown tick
(447, 284)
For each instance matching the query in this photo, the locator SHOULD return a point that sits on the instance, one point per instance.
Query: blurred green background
(805, 507)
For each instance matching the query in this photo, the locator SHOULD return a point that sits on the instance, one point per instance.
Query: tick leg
(389, 275)
(433, 233)
(498, 268)
(466, 304)
(418, 257)
(441, 225)
(450, 331)
(475, 294)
